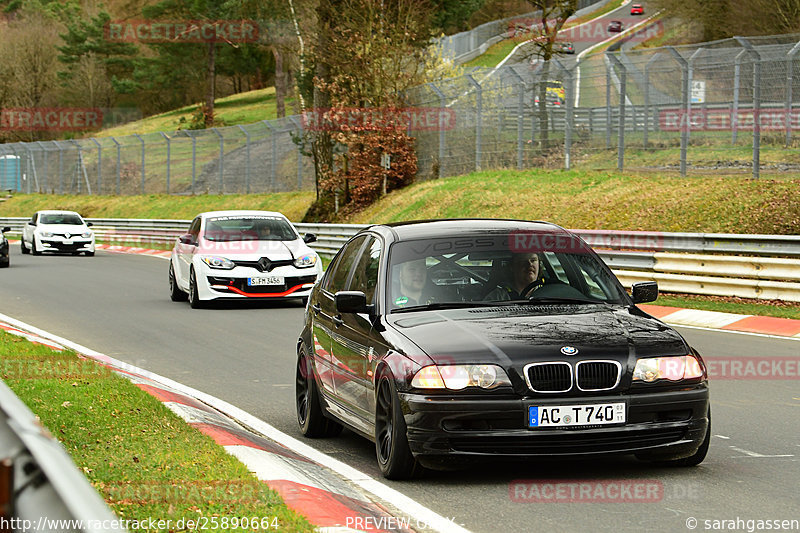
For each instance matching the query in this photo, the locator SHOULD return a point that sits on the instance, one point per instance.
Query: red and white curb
(332, 495)
(761, 325)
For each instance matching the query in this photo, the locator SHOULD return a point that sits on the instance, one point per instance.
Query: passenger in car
(412, 281)
(523, 276)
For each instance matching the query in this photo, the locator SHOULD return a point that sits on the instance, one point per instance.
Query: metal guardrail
(696, 263)
(39, 484)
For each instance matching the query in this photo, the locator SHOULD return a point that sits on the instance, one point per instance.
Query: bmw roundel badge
(569, 350)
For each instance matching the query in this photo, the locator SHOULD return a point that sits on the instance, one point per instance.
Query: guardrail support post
(247, 160)
(166, 138)
(442, 104)
(647, 95)
(478, 119)
(685, 122)
(756, 104)
(790, 58)
(143, 152)
(622, 92)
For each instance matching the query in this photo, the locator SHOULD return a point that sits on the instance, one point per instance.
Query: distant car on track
(468, 339)
(242, 255)
(615, 26)
(564, 47)
(5, 261)
(57, 231)
(637, 9)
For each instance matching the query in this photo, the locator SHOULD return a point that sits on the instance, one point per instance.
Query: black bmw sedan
(4, 259)
(454, 340)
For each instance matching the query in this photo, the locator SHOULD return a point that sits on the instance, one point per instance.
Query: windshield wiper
(444, 305)
(557, 300)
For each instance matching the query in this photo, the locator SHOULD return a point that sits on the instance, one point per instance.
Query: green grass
(291, 204)
(144, 460)
(242, 108)
(741, 306)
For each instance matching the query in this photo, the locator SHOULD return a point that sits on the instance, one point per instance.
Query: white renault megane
(242, 254)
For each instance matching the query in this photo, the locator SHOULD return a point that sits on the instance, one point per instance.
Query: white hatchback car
(57, 231)
(242, 254)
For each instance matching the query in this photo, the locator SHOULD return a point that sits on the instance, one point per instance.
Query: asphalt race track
(244, 353)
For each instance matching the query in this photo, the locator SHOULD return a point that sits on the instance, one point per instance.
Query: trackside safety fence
(719, 264)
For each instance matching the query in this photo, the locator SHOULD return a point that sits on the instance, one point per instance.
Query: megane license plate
(575, 415)
(269, 280)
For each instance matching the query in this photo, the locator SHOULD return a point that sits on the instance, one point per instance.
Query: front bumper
(54, 244)
(672, 423)
(217, 283)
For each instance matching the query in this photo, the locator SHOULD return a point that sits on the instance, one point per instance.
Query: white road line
(737, 332)
(723, 437)
(395, 498)
(754, 454)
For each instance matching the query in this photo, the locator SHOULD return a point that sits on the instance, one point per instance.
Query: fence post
(99, 165)
(569, 118)
(119, 167)
(790, 57)
(194, 157)
(622, 93)
(442, 103)
(684, 122)
(247, 160)
(60, 167)
(44, 168)
(647, 95)
(737, 68)
(169, 152)
(273, 168)
(299, 127)
(756, 105)
(608, 104)
(690, 75)
(478, 120)
(221, 160)
(520, 118)
(142, 141)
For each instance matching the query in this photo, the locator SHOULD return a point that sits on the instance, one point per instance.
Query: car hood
(72, 229)
(513, 336)
(254, 249)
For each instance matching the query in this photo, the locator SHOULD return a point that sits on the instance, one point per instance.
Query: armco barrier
(39, 482)
(768, 267)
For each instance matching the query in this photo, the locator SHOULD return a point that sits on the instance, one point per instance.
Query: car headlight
(46, 234)
(669, 368)
(458, 377)
(86, 234)
(306, 261)
(218, 262)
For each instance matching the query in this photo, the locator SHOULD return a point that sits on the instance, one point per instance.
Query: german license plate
(269, 280)
(576, 415)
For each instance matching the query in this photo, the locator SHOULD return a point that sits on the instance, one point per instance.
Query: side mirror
(186, 239)
(89, 224)
(309, 238)
(31, 223)
(646, 291)
(6, 229)
(351, 302)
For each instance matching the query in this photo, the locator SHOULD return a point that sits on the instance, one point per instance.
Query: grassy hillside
(574, 199)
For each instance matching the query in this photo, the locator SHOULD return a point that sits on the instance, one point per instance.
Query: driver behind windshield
(412, 279)
(522, 279)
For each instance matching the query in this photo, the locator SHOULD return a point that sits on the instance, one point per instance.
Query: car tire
(310, 414)
(194, 298)
(391, 439)
(693, 460)
(25, 250)
(175, 293)
(89, 254)
(34, 251)
(5, 264)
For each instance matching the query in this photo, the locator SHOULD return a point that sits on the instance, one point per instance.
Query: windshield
(226, 229)
(73, 220)
(512, 267)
